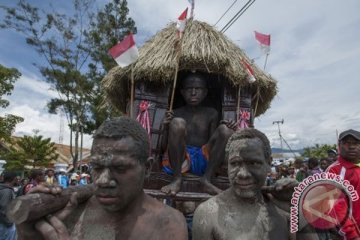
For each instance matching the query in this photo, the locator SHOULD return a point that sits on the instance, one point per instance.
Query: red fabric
(350, 229)
(122, 46)
(262, 38)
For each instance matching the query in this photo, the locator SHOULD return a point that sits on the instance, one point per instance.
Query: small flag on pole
(249, 70)
(181, 23)
(125, 52)
(264, 41)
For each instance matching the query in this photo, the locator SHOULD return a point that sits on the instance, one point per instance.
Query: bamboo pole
(176, 75)
(132, 92)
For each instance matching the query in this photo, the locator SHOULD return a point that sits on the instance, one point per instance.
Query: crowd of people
(301, 168)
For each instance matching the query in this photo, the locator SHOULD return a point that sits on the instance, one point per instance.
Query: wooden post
(132, 92)
(238, 108)
(176, 74)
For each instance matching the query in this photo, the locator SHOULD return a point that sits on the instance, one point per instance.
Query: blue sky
(315, 57)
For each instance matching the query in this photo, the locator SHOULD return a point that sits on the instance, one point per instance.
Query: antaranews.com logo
(323, 200)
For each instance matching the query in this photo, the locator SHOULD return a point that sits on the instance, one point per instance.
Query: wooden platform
(191, 189)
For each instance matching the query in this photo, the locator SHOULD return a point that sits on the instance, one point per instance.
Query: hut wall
(230, 102)
(157, 97)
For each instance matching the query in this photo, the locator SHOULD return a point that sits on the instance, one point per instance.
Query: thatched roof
(203, 48)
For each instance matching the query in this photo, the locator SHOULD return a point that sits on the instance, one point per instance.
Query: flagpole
(266, 58)
(176, 74)
(192, 9)
(257, 100)
(238, 107)
(132, 92)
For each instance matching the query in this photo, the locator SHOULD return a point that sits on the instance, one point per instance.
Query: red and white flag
(249, 70)
(264, 41)
(181, 22)
(125, 52)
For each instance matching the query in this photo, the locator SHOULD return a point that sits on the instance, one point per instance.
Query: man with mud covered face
(119, 208)
(242, 211)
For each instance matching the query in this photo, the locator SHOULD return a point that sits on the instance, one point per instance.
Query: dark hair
(313, 162)
(191, 75)
(122, 127)
(36, 172)
(250, 133)
(9, 177)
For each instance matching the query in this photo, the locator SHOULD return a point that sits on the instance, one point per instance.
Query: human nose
(243, 172)
(193, 91)
(104, 178)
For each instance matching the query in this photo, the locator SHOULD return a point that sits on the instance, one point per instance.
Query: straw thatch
(204, 49)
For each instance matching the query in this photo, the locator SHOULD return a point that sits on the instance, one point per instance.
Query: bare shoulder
(204, 221)
(208, 207)
(170, 223)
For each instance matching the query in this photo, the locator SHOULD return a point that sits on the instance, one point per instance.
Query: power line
(225, 12)
(237, 15)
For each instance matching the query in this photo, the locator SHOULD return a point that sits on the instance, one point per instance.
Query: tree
(318, 151)
(111, 26)
(73, 55)
(39, 152)
(8, 76)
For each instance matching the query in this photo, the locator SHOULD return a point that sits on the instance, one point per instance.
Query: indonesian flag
(181, 22)
(264, 41)
(125, 52)
(249, 70)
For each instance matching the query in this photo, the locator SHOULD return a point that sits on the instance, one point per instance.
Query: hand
(230, 124)
(53, 228)
(46, 188)
(169, 115)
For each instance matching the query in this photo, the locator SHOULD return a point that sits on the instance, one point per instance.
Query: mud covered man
(243, 211)
(193, 138)
(119, 208)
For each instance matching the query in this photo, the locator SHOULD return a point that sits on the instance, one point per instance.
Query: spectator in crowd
(302, 173)
(313, 165)
(37, 176)
(63, 179)
(291, 172)
(348, 167)
(332, 155)
(50, 177)
(297, 165)
(323, 164)
(7, 193)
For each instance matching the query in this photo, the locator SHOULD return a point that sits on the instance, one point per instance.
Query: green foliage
(38, 152)
(8, 76)
(7, 126)
(75, 48)
(318, 151)
(15, 159)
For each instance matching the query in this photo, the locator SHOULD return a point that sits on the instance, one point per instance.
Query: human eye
(234, 163)
(254, 163)
(97, 167)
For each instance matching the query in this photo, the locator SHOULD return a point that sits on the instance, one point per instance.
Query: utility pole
(278, 124)
(282, 138)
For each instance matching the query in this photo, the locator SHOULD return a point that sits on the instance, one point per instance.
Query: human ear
(148, 164)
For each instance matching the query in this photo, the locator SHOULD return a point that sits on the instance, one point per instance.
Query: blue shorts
(195, 161)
